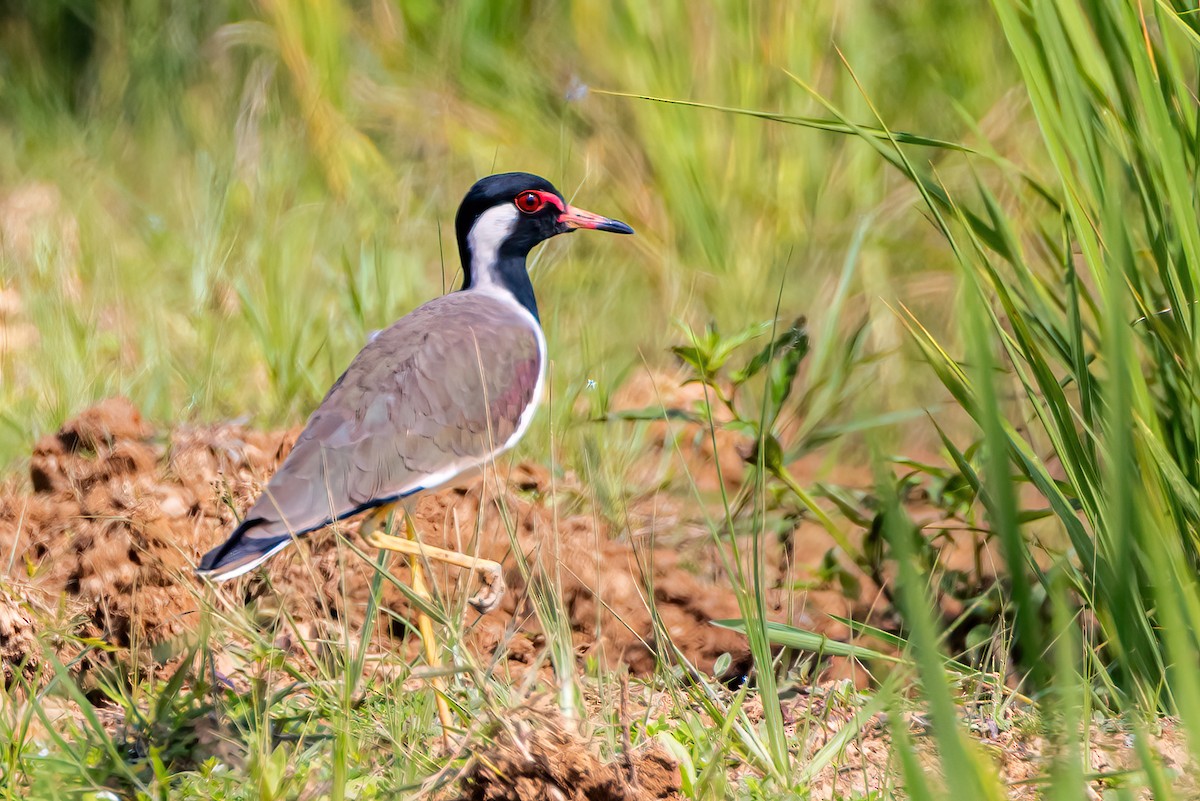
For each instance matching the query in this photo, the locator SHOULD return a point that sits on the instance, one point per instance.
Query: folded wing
(446, 388)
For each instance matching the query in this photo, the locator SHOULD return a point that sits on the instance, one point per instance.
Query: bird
(427, 403)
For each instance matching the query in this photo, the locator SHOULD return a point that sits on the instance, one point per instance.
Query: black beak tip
(615, 227)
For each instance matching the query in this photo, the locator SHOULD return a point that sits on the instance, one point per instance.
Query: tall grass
(277, 180)
(1079, 310)
(1089, 297)
(240, 192)
(1081, 278)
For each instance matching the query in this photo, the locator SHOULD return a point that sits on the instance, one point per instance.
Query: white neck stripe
(487, 234)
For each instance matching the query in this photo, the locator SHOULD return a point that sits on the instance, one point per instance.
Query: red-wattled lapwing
(445, 390)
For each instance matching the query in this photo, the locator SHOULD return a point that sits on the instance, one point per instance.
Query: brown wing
(436, 394)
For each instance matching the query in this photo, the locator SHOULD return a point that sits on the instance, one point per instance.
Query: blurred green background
(209, 206)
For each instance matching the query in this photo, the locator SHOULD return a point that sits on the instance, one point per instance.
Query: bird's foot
(492, 591)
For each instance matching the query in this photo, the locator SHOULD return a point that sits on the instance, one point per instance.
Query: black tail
(242, 552)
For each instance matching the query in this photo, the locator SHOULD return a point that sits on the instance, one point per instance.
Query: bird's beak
(574, 218)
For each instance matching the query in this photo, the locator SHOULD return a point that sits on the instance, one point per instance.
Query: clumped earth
(99, 542)
(534, 756)
(99, 545)
(115, 516)
(865, 766)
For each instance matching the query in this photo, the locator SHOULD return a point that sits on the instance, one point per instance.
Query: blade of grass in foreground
(999, 497)
(817, 123)
(801, 640)
(967, 773)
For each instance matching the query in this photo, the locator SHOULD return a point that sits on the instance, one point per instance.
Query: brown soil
(101, 540)
(115, 516)
(104, 535)
(16, 334)
(535, 756)
(34, 227)
(866, 765)
(33, 212)
(702, 457)
(18, 645)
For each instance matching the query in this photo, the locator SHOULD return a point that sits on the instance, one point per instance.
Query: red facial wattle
(533, 201)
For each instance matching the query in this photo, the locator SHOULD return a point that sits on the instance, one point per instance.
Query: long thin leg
(491, 573)
(370, 529)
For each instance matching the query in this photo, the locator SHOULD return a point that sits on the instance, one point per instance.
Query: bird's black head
(503, 216)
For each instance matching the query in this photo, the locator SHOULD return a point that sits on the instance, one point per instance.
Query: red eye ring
(530, 202)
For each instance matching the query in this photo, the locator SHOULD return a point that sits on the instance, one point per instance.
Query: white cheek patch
(487, 234)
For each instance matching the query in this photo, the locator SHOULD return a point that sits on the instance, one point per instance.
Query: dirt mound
(698, 455)
(534, 756)
(119, 514)
(18, 645)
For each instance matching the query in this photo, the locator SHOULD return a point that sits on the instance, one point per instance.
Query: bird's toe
(490, 594)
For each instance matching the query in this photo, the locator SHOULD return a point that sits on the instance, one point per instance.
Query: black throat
(507, 272)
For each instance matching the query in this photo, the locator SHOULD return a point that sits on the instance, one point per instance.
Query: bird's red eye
(529, 202)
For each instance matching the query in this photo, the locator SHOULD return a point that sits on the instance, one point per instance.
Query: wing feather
(440, 392)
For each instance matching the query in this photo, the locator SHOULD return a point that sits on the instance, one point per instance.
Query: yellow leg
(370, 530)
(487, 599)
(490, 573)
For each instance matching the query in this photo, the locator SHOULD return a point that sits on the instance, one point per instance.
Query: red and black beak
(574, 218)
